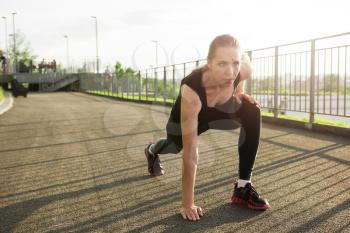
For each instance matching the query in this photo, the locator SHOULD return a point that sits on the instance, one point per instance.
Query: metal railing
(314, 79)
(310, 76)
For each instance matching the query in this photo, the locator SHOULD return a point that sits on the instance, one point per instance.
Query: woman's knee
(252, 110)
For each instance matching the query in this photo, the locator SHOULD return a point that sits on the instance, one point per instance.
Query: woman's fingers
(200, 211)
(238, 98)
(183, 214)
(250, 99)
(192, 214)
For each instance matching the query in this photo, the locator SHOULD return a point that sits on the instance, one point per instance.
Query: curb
(6, 104)
(327, 129)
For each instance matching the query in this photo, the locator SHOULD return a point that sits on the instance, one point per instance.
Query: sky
(182, 29)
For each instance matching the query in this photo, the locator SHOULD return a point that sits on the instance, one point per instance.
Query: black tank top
(207, 114)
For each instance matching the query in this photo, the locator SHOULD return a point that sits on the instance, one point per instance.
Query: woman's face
(225, 65)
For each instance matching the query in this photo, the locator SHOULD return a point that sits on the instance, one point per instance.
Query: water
(328, 107)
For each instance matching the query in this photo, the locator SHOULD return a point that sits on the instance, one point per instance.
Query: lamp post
(6, 43)
(96, 33)
(67, 50)
(14, 43)
(156, 43)
(155, 71)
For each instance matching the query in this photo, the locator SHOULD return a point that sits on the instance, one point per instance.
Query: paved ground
(71, 162)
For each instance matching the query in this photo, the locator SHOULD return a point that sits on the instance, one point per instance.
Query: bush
(1, 94)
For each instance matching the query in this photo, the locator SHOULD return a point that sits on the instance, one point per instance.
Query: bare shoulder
(189, 95)
(189, 98)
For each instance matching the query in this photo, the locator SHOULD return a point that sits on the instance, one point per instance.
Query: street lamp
(156, 43)
(14, 42)
(67, 50)
(6, 43)
(96, 32)
(155, 71)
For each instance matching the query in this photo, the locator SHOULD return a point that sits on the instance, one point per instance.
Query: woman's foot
(249, 196)
(155, 168)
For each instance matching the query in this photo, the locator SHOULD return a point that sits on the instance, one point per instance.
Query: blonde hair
(224, 40)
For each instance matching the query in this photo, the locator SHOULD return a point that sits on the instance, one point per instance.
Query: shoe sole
(152, 174)
(239, 201)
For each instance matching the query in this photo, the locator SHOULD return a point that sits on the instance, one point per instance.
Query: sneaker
(249, 196)
(155, 168)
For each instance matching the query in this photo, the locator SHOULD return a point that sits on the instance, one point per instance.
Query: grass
(300, 93)
(1, 94)
(135, 97)
(318, 120)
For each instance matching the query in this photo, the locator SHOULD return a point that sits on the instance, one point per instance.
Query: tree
(129, 72)
(123, 72)
(331, 82)
(23, 53)
(119, 71)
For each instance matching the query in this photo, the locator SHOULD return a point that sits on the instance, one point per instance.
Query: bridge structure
(41, 82)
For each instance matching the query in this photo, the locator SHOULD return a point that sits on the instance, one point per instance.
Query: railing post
(275, 108)
(127, 87)
(107, 84)
(184, 70)
(112, 85)
(140, 85)
(116, 84)
(164, 85)
(174, 97)
(133, 86)
(249, 81)
(312, 84)
(122, 86)
(155, 83)
(146, 85)
(99, 84)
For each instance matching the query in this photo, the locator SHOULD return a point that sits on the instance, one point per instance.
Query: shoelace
(253, 190)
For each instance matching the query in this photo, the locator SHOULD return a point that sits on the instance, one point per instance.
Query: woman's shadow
(223, 214)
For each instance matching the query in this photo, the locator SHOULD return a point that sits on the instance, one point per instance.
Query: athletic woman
(212, 97)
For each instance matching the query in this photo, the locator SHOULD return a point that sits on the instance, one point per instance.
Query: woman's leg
(249, 137)
(165, 146)
(152, 151)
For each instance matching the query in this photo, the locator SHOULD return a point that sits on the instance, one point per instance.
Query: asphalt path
(73, 162)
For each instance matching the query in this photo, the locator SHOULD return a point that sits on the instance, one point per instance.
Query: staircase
(57, 83)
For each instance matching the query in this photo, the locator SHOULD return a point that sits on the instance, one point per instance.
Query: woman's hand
(240, 96)
(192, 213)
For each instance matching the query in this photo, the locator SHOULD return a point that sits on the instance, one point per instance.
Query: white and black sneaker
(155, 168)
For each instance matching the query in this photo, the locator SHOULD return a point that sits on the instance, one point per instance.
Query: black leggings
(250, 121)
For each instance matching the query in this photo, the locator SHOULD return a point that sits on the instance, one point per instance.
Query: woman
(212, 97)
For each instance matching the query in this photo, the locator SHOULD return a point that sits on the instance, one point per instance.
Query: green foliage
(318, 120)
(169, 90)
(23, 52)
(123, 72)
(266, 84)
(1, 94)
(330, 83)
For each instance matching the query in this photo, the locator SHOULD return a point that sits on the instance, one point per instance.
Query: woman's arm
(245, 74)
(246, 69)
(190, 107)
